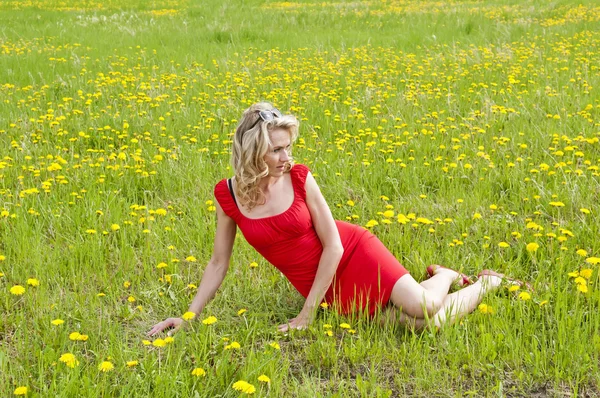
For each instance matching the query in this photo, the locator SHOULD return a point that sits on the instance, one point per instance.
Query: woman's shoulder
(300, 170)
(221, 190)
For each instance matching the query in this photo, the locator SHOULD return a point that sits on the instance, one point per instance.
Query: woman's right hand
(170, 323)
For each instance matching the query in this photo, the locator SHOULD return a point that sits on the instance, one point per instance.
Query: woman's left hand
(300, 322)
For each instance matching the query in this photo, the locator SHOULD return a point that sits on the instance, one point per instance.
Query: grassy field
(464, 133)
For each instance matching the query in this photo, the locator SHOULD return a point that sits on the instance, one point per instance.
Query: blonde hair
(250, 145)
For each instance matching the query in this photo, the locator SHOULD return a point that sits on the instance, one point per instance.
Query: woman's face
(277, 156)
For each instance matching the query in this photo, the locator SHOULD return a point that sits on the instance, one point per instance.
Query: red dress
(366, 273)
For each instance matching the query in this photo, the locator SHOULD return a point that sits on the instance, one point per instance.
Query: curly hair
(250, 145)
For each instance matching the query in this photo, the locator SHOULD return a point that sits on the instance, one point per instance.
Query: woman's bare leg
(454, 306)
(418, 300)
(464, 301)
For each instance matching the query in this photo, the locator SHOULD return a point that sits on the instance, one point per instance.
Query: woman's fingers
(167, 323)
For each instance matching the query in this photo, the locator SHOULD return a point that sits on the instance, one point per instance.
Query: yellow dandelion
(264, 379)
(532, 247)
(240, 312)
(131, 364)
(582, 288)
(161, 265)
(159, 343)
(275, 345)
(371, 223)
(586, 273)
(524, 296)
(593, 260)
(582, 252)
(503, 245)
(244, 387)
(20, 390)
(253, 264)
(17, 290)
(210, 320)
(115, 227)
(106, 366)
(198, 372)
(188, 316)
(33, 282)
(584, 210)
(233, 346)
(57, 322)
(514, 288)
(344, 326)
(191, 259)
(485, 308)
(69, 359)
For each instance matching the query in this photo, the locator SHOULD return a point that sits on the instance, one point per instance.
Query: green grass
(448, 109)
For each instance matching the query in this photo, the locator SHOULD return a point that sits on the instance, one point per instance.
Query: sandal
(513, 281)
(466, 281)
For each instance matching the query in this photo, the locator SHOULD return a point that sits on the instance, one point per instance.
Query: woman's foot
(462, 280)
(495, 279)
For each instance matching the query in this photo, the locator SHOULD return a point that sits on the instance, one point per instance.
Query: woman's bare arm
(213, 274)
(330, 258)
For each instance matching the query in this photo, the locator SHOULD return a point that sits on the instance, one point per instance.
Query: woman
(281, 212)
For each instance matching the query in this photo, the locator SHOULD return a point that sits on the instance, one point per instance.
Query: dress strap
(231, 191)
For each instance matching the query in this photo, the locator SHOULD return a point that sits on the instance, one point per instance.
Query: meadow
(463, 133)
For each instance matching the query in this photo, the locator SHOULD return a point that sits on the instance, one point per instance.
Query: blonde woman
(281, 212)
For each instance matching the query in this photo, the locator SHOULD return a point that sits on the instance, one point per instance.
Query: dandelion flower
(57, 322)
(371, 223)
(188, 316)
(532, 247)
(33, 282)
(161, 265)
(210, 320)
(69, 360)
(159, 343)
(593, 260)
(264, 379)
(115, 227)
(233, 346)
(131, 364)
(524, 296)
(582, 252)
(253, 264)
(582, 288)
(244, 387)
(275, 345)
(240, 312)
(20, 390)
(106, 366)
(198, 372)
(191, 259)
(345, 326)
(514, 288)
(503, 245)
(485, 309)
(17, 290)
(586, 273)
